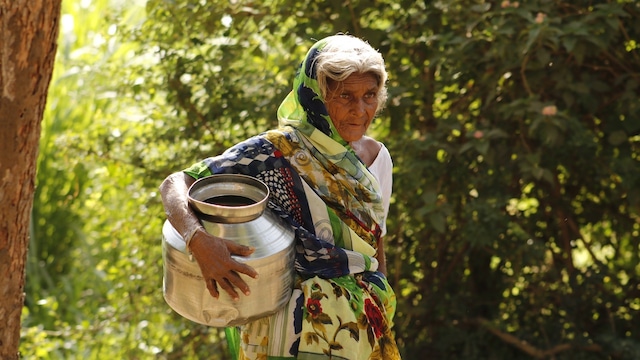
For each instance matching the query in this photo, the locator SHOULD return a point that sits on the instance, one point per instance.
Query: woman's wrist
(189, 237)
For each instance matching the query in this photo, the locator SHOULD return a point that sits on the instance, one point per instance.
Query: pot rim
(224, 185)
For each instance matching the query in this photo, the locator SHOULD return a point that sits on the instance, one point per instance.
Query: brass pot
(232, 207)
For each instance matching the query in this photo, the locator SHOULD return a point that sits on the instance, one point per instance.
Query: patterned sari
(341, 307)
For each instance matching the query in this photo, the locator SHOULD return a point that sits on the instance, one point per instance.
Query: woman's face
(352, 104)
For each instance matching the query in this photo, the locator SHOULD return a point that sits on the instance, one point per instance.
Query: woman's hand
(213, 254)
(218, 268)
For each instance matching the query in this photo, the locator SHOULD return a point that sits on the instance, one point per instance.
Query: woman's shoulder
(371, 142)
(382, 162)
(367, 149)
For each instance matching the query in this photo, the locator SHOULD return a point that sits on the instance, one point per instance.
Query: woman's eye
(345, 96)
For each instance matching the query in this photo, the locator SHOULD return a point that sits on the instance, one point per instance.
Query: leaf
(617, 138)
(612, 10)
(547, 176)
(542, 57)
(465, 147)
(324, 318)
(363, 323)
(318, 326)
(481, 7)
(317, 295)
(613, 22)
(311, 338)
(371, 337)
(569, 43)
(354, 332)
(496, 134)
(533, 36)
(335, 346)
(482, 147)
(438, 221)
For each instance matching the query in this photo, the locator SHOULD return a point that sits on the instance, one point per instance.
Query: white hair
(344, 55)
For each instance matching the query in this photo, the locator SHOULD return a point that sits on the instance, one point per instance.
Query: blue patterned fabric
(257, 157)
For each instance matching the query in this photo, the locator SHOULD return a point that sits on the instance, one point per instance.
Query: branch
(453, 263)
(529, 349)
(354, 19)
(565, 231)
(523, 69)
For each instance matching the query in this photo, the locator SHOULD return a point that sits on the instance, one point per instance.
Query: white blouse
(382, 170)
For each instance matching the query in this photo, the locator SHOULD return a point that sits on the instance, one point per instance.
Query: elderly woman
(342, 305)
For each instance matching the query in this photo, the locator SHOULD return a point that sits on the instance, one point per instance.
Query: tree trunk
(28, 35)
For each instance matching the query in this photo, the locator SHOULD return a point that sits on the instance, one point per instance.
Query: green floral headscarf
(304, 108)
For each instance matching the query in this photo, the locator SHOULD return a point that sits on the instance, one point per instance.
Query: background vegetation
(515, 131)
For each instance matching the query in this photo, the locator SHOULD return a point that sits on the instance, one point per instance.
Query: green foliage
(514, 126)
(523, 148)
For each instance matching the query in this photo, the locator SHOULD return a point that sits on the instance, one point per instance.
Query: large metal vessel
(232, 207)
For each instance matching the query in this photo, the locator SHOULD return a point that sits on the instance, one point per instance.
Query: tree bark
(28, 41)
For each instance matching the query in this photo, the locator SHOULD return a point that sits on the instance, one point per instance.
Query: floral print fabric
(344, 322)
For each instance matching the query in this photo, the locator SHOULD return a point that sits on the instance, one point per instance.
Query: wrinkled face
(352, 104)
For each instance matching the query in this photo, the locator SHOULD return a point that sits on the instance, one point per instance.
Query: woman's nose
(358, 107)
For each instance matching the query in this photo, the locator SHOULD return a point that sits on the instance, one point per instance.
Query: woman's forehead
(356, 81)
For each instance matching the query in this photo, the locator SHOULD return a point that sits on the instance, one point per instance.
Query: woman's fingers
(213, 288)
(219, 269)
(237, 249)
(241, 250)
(226, 286)
(224, 276)
(235, 280)
(245, 269)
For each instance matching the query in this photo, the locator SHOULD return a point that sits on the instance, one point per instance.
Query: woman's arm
(212, 253)
(382, 168)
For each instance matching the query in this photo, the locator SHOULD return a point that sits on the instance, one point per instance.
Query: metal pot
(232, 207)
